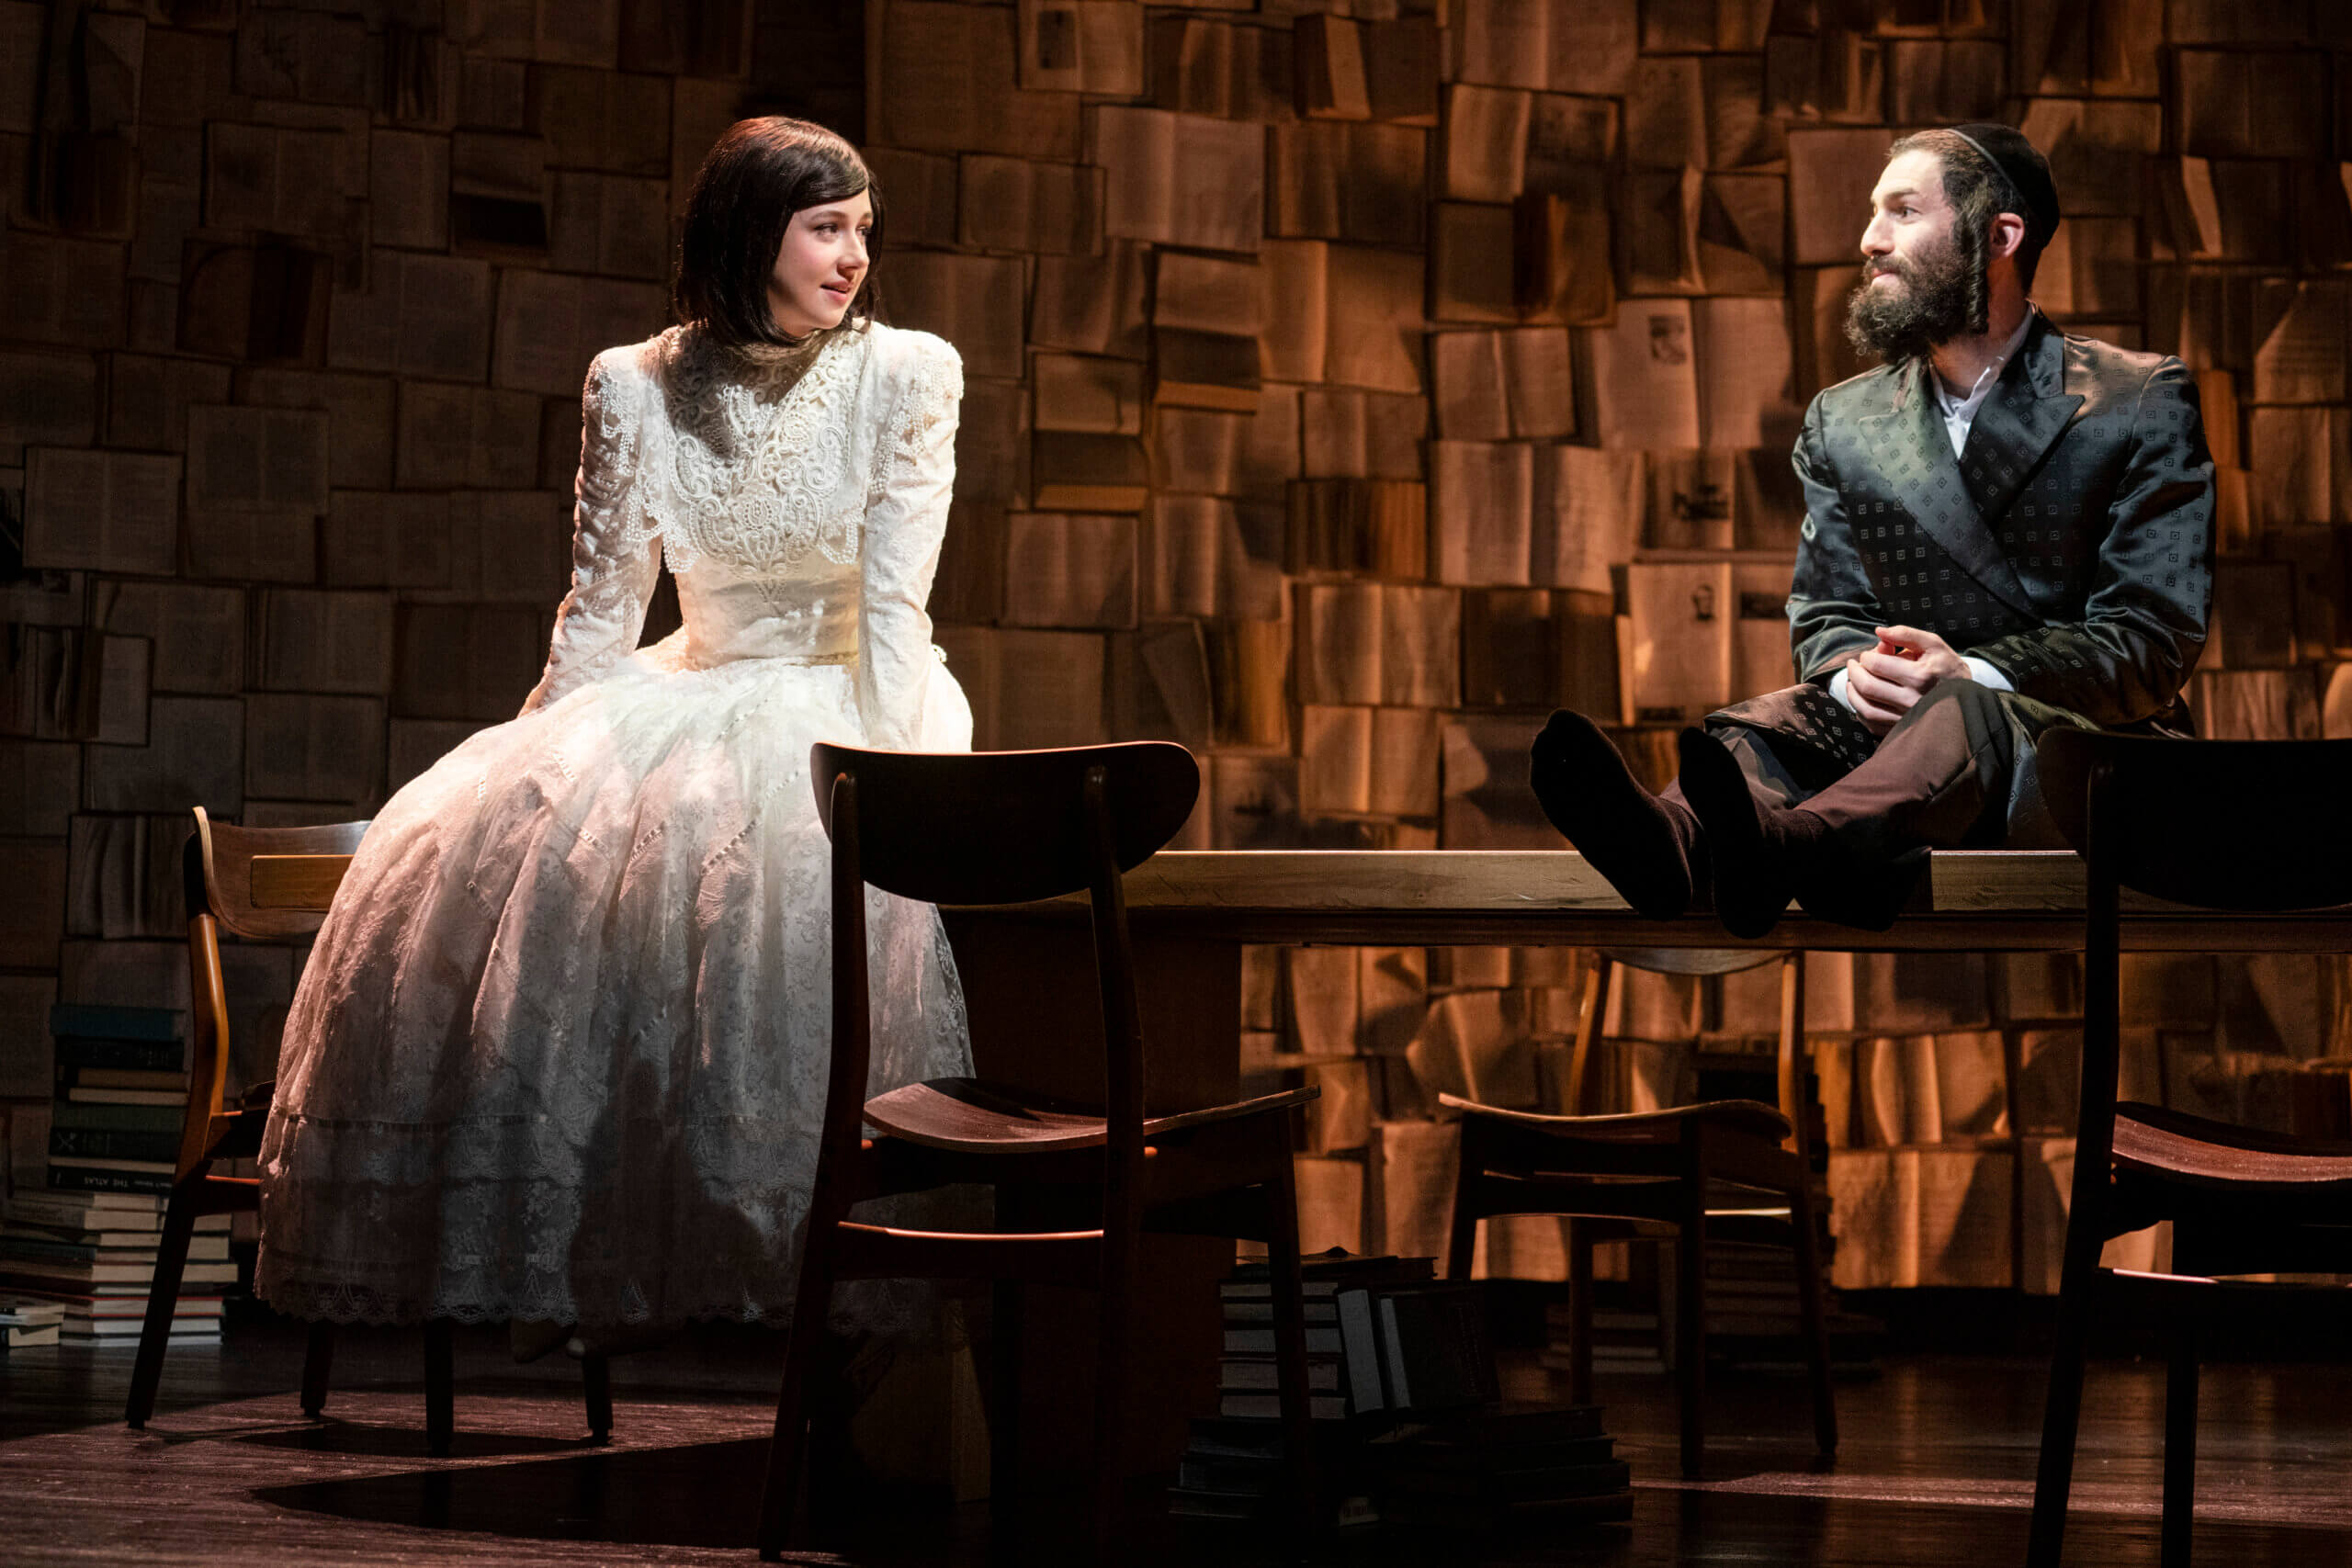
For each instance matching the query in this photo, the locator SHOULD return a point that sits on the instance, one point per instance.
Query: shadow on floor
(693, 1495)
(328, 1435)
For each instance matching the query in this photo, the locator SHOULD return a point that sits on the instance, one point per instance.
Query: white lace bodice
(801, 505)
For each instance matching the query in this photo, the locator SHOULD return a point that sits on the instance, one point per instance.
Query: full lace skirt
(561, 1050)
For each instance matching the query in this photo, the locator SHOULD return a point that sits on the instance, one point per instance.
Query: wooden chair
(1737, 1169)
(1000, 828)
(266, 885)
(2256, 826)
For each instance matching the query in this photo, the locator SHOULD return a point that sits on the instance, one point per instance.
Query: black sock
(1645, 845)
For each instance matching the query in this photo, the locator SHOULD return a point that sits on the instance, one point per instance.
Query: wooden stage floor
(1935, 1469)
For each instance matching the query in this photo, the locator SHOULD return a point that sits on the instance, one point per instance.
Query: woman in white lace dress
(559, 1052)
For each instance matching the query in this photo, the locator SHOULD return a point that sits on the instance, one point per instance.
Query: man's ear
(2003, 236)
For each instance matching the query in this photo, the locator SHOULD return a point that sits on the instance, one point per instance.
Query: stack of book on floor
(1384, 1337)
(92, 1255)
(1499, 1465)
(121, 1096)
(27, 1321)
(88, 1243)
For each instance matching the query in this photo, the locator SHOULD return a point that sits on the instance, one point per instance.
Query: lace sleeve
(906, 523)
(615, 557)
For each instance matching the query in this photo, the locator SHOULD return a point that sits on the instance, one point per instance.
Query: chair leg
(1811, 1319)
(1005, 1328)
(2061, 1411)
(596, 1387)
(318, 1361)
(1691, 1326)
(1117, 1310)
(440, 1385)
(1579, 1311)
(804, 1350)
(2181, 1449)
(163, 1296)
(1462, 1239)
(1290, 1338)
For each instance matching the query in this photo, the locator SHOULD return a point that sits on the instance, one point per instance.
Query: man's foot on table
(1758, 851)
(1645, 845)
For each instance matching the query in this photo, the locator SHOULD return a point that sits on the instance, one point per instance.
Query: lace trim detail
(758, 451)
(934, 386)
(610, 497)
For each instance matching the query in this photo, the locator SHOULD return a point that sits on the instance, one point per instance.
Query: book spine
(113, 1142)
(79, 1051)
(87, 1179)
(105, 1022)
(102, 1117)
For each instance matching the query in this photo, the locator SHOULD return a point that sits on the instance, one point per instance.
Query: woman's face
(819, 265)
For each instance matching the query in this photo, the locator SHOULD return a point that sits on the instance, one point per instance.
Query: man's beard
(1929, 308)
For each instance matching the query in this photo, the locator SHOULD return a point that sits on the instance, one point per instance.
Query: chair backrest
(219, 872)
(1700, 961)
(220, 866)
(998, 827)
(2259, 825)
(1003, 826)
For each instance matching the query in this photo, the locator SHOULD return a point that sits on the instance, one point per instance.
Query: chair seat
(1639, 1126)
(2153, 1142)
(970, 1116)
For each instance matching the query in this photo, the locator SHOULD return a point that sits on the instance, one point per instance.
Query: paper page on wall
(1831, 175)
(315, 748)
(1747, 373)
(1692, 498)
(1181, 179)
(1093, 304)
(1052, 689)
(1760, 656)
(1421, 646)
(1295, 343)
(107, 511)
(1335, 767)
(1589, 506)
(1481, 511)
(943, 78)
(1019, 204)
(465, 662)
(1644, 378)
(2302, 359)
(1375, 336)
(1742, 223)
(1346, 434)
(1069, 569)
(1486, 803)
(198, 633)
(1679, 654)
(1467, 386)
(972, 301)
(1339, 643)
(193, 756)
(1484, 143)
(338, 642)
(47, 400)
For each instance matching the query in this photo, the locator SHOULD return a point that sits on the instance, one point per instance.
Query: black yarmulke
(2022, 164)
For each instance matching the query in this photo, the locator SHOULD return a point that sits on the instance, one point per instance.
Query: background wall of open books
(1348, 384)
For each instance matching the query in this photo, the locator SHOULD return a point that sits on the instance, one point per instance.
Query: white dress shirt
(1960, 417)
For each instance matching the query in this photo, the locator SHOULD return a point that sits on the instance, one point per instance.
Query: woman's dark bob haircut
(760, 174)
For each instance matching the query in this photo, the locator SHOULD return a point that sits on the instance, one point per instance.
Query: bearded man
(2006, 528)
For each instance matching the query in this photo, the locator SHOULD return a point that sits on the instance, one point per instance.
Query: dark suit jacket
(2074, 557)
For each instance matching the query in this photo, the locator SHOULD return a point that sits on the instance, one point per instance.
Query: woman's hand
(1887, 681)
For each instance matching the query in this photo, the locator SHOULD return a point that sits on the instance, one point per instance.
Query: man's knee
(1962, 699)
